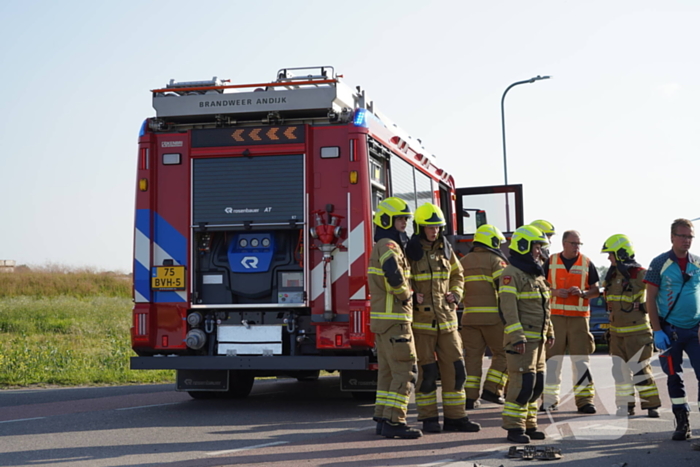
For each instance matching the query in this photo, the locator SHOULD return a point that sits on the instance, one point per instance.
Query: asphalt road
(285, 422)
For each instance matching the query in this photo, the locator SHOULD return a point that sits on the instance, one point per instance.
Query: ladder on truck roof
(293, 94)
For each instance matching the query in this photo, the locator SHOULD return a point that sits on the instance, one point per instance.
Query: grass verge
(68, 340)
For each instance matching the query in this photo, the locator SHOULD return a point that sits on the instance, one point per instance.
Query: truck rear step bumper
(250, 363)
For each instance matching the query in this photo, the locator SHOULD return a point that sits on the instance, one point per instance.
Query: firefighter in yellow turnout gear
(524, 303)
(437, 282)
(631, 339)
(390, 320)
(481, 324)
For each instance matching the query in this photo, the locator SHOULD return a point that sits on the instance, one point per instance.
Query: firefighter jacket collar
(624, 268)
(417, 245)
(414, 249)
(392, 234)
(526, 263)
(495, 251)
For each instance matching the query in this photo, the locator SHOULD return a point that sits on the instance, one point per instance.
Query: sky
(608, 145)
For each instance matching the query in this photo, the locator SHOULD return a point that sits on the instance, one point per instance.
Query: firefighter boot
(461, 424)
(653, 413)
(432, 425)
(492, 397)
(472, 404)
(682, 425)
(400, 430)
(518, 436)
(549, 408)
(624, 411)
(534, 433)
(380, 425)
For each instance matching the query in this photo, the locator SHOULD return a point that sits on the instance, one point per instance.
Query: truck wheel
(240, 383)
(202, 395)
(364, 396)
(309, 375)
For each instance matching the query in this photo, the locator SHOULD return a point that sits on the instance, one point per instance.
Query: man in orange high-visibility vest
(574, 280)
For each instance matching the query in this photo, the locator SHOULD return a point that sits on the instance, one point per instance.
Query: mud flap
(358, 380)
(202, 380)
(543, 453)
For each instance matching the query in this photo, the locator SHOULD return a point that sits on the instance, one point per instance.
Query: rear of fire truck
(253, 217)
(253, 228)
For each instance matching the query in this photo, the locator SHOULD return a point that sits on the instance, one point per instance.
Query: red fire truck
(253, 228)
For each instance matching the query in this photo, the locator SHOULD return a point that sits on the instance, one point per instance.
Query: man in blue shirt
(673, 303)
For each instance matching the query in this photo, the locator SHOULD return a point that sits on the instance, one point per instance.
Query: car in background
(600, 319)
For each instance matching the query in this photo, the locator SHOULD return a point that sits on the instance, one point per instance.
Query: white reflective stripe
(679, 400)
(356, 242)
(142, 255)
(160, 255)
(138, 298)
(341, 260)
(142, 249)
(360, 294)
(339, 266)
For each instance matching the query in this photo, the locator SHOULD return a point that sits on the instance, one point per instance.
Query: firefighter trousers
(449, 367)
(525, 383)
(570, 333)
(476, 339)
(396, 357)
(631, 368)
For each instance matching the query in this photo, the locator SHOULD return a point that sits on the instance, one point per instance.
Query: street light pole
(503, 119)
(503, 132)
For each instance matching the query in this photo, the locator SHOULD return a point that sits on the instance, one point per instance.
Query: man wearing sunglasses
(574, 280)
(673, 302)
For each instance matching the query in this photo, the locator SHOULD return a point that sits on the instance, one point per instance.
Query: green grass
(52, 280)
(67, 328)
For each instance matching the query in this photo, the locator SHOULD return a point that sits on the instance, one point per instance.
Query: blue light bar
(144, 125)
(360, 118)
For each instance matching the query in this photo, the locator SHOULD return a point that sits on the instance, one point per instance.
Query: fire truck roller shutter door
(261, 189)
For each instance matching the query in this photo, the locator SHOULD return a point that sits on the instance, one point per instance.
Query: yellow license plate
(604, 325)
(168, 278)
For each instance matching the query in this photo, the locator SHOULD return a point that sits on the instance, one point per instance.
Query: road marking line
(146, 406)
(442, 462)
(362, 429)
(257, 446)
(22, 420)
